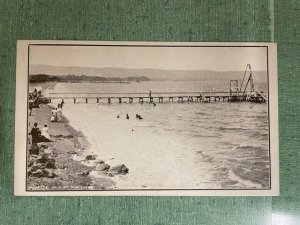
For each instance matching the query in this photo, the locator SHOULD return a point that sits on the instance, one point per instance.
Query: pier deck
(202, 97)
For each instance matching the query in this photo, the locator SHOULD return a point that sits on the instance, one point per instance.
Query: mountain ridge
(152, 74)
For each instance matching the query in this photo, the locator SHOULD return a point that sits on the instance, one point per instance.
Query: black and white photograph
(139, 118)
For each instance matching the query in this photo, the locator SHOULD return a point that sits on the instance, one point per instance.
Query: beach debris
(48, 151)
(34, 150)
(36, 166)
(200, 153)
(32, 158)
(69, 136)
(50, 164)
(99, 161)
(119, 169)
(102, 167)
(73, 152)
(44, 159)
(90, 163)
(90, 157)
(44, 146)
(62, 167)
(41, 165)
(51, 175)
(39, 173)
(84, 173)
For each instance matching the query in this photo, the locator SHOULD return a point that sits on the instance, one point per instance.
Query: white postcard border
(21, 125)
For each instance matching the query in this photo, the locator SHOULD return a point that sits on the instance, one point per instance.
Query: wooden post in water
(74, 100)
(86, 100)
(97, 100)
(120, 100)
(109, 100)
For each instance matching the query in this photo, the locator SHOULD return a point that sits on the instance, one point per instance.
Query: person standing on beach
(54, 115)
(30, 109)
(150, 94)
(62, 103)
(35, 133)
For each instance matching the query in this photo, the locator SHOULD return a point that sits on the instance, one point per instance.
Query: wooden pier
(244, 92)
(161, 97)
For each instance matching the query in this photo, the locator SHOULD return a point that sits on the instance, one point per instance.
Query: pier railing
(156, 96)
(134, 95)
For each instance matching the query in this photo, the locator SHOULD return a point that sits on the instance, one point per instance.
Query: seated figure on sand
(38, 136)
(45, 133)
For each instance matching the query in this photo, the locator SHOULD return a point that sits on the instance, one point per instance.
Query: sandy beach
(64, 173)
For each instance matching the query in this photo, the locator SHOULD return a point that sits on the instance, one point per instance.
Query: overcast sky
(170, 58)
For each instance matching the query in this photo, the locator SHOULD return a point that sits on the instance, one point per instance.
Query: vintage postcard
(146, 118)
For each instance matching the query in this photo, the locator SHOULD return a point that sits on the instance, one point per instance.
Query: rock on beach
(119, 169)
(102, 167)
(41, 164)
(90, 157)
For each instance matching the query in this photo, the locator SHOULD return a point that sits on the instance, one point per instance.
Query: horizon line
(146, 68)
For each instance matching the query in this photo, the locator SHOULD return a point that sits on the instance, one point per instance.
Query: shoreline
(54, 167)
(89, 129)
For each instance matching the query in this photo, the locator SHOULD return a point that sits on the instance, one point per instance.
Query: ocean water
(218, 145)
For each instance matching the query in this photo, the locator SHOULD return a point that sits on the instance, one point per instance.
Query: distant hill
(151, 74)
(38, 78)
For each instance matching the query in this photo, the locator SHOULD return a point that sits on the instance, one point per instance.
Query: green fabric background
(159, 20)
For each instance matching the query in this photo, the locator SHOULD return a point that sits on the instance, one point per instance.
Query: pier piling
(204, 97)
